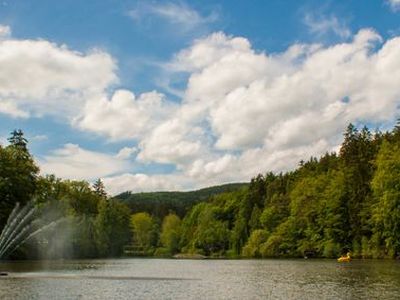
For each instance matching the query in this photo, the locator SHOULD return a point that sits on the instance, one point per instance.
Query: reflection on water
(201, 279)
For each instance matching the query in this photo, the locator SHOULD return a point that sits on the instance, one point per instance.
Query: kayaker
(343, 258)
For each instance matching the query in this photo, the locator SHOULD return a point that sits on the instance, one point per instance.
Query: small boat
(343, 258)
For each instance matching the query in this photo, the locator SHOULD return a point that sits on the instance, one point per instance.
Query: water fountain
(22, 225)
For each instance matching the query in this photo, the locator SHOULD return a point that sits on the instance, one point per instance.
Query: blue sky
(158, 95)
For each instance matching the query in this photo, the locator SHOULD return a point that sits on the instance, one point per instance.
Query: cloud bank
(243, 111)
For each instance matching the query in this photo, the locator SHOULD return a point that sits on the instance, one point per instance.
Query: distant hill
(159, 204)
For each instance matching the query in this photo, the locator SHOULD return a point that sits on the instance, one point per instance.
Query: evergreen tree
(357, 157)
(18, 140)
(18, 175)
(386, 187)
(99, 188)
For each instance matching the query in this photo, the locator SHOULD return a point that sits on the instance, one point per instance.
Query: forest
(339, 202)
(159, 204)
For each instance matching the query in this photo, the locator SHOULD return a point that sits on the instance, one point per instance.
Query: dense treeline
(95, 225)
(346, 201)
(159, 204)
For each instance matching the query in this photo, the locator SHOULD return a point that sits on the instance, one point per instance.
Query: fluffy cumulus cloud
(73, 162)
(173, 142)
(39, 77)
(242, 111)
(246, 111)
(124, 116)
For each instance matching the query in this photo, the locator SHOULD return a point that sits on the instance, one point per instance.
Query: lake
(201, 279)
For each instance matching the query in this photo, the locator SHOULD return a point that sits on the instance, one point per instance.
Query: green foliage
(386, 188)
(144, 231)
(81, 199)
(99, 188)
(253, 245)
(189, 227)
(160, 204)
(93, 226)
(204, 231)
(326, 207)
(212, 235)
(18, 141)
(357, 154)
(282, 242)
(171, 233)
(331, 249)
(162, 252)
(18, 175)
(112, 227)
(84, 237)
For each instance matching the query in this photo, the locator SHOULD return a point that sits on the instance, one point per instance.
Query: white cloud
(123, 116)
(173, 142)
(230, 62)
(73, 162)
(242, 112)
(246, 112)
(324, 25)
(142, 183)
(394, 4)
(204, 52)
(180, 15)
(5, 31)
(3, 141)
(9, 108)
(38, 77)
(230, 168)
(126, 152)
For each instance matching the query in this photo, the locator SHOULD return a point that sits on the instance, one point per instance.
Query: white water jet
(20, 228)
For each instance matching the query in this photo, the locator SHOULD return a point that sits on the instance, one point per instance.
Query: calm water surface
(200, 279)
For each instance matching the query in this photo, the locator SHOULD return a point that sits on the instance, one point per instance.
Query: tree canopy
(339, 202)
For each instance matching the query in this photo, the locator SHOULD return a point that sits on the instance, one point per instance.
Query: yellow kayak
(343, 258)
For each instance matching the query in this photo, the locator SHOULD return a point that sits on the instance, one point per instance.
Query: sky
(179, 95)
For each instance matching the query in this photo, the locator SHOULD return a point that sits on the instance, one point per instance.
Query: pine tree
(18, 140)
(385, 185)
(18, 174)
(100, 189)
